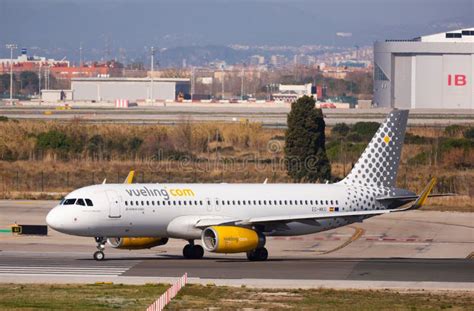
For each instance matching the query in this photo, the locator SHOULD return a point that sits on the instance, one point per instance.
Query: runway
(413, 250)
(270, 115)
(354, 269)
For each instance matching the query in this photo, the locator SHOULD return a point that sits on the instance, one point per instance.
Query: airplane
(237, 218)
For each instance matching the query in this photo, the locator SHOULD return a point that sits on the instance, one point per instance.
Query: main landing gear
(258, 254)
(192, 251)
(99, 254)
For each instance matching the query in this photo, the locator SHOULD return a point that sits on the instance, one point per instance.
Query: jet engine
(231, 239)
(136, 243)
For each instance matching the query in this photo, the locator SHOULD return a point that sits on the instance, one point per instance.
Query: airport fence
(170, 293)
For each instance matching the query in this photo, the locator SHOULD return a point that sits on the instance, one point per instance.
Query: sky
(63, 25)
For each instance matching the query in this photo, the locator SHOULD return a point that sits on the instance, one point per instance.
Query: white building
(433, 71)
(132, 89)
(290, 92)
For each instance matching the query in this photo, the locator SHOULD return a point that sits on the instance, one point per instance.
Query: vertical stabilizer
(378, 164)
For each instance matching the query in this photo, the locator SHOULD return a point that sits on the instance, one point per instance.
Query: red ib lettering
(457, 80)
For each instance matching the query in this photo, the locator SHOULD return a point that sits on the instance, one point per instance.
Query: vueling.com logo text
(160, 192)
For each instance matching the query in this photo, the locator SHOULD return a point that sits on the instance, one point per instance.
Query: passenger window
(291, 202)
(143, 203)
(286, 202)
(153, 203)
(259, 202)
(126, 203)
(169, 202)
(89, 202)
(69, 201)
(238, 202)
(315, 202)
(327, 202)
(131, 203)
(233, 202)
(322, 202)
(243, 202)
(184, 202)
(264, 202)
(200, 202)
(337, 203)
(136, 203)
(332, 202)
(280, 202)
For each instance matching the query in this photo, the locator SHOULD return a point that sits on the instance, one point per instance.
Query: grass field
(78, 297)
(198, 297)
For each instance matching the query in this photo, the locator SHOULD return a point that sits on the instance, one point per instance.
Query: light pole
(152, 70)
(11, 46)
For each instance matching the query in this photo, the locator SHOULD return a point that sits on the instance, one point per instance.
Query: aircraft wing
(326, 215)
(207, 222)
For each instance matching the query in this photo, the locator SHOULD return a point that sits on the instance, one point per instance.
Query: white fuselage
(171, 210)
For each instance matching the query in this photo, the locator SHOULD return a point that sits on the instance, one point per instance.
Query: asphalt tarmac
(270, 115)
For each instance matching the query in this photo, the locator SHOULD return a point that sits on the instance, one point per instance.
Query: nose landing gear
(192, 251)
(99, 254)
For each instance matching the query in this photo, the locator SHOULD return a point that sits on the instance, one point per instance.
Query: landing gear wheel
(198, 252)
(258, 254)
(99, 255)
(193, 251)
(187, 251)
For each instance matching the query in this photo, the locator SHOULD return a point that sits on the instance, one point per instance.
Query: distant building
(61, 69)
(256, 60)
(290, 93)
(277, 60)
(433, 71)
(132, 89)
(30, 63)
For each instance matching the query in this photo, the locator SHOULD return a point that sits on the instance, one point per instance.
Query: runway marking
(62, 270)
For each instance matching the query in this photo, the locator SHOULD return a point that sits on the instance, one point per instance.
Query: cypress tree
(305, 151)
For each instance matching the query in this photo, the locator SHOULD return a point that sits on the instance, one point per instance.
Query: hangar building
(433, 71)
(133, 89)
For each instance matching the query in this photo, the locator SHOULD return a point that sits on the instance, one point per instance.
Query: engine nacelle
(136, 243)
(231, 239)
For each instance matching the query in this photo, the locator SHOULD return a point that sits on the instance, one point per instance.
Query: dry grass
(203, 152)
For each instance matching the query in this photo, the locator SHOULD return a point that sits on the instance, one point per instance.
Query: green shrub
(54, 140)
(416, 139)
(419, 159)
(3, 119)
(454, 130)
(366, 129)
(340, 129)
(469, 133)
(451, 143)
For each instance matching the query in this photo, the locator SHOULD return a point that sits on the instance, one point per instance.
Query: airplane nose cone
(53, 219)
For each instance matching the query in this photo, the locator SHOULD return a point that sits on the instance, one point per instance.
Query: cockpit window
(89, 202)
(62, 201)
(80, 202)
(69, 201)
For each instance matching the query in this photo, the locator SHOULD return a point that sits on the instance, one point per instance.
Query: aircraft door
(115, 202)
